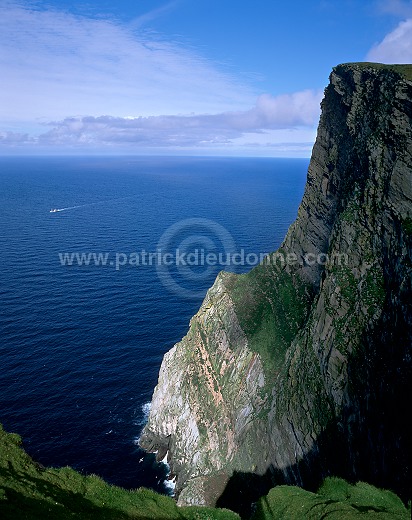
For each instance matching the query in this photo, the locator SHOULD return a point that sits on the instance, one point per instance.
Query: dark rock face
(303, 368)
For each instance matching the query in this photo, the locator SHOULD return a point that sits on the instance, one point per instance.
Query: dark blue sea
(81, 345)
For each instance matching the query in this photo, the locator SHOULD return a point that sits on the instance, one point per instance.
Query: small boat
(54, 210)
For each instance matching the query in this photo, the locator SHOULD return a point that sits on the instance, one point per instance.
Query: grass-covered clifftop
(29, 491)
(404, 70)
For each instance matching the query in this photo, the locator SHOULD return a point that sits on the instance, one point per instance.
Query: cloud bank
(288, 111)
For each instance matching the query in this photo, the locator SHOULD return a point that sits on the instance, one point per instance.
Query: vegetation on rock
(335, 500)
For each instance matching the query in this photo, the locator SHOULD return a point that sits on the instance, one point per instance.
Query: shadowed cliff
(299, 368)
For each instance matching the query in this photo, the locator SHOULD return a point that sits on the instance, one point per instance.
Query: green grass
(271, 306)
(31, 492)
(335, 500)
(403, 70)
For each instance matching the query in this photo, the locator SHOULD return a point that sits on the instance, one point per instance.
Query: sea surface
(81, 345)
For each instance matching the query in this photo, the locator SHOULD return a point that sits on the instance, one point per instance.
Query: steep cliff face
(298, 369)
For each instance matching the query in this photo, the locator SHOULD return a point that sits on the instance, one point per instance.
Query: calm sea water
(81, 345)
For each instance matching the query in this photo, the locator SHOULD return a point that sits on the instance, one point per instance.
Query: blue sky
(203, 77)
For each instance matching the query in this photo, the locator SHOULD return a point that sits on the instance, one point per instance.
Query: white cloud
(297, 109)
(54, 64)
(14, 138)
(396, 47)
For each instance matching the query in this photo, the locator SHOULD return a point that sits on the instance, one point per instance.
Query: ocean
(94, 294)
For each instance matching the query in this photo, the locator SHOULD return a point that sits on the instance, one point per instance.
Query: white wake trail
(73, 207)
(58, 210)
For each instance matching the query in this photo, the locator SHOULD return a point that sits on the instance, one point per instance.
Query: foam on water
(146, 411)
(170, 484)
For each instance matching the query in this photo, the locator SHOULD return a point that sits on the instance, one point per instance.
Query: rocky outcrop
(299, 368)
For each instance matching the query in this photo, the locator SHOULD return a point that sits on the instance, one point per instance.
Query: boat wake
(58, 210)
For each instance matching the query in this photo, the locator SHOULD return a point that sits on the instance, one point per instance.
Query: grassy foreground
(335, 500)
(30, 492)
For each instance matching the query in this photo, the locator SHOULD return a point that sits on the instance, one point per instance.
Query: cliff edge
(300, 368)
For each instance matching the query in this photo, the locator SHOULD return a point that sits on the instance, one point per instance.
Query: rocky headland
(301, 368)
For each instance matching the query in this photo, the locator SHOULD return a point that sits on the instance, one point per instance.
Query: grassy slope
(335, 500)
(271, 306)
(30, 492)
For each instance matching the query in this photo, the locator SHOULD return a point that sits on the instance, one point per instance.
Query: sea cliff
(300, 368)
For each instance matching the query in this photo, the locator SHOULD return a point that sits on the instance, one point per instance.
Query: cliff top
(403, 70)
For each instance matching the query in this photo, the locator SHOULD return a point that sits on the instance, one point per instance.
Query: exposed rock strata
(296, 371)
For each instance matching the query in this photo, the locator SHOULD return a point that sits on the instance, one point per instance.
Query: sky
(181, 77)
